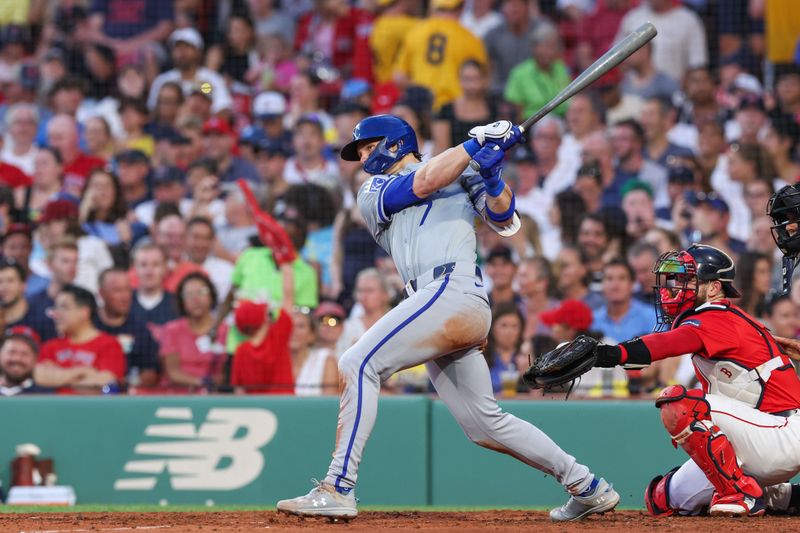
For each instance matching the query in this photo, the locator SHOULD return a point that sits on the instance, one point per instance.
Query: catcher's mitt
(563, 364)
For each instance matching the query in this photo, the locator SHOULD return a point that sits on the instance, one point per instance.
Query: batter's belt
(455, 268)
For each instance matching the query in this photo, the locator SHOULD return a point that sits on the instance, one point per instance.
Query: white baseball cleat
(600, 500)
(323, 500)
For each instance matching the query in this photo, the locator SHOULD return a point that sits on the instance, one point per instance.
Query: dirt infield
(463, 522)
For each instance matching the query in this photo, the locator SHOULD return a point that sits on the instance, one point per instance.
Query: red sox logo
(726, 372)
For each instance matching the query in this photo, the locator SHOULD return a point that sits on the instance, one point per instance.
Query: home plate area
(463, 522)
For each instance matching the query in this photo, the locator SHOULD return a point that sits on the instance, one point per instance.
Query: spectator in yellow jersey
(434, 50)
(388, 31)
(782, 21)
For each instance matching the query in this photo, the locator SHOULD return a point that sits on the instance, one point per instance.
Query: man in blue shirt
(150, 300)
(622, 317)
(117, 317)
(62, 259)
(219, 141)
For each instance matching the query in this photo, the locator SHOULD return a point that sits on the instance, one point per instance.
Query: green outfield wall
(256, 450)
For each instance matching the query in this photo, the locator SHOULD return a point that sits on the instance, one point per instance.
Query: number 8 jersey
(433, 52)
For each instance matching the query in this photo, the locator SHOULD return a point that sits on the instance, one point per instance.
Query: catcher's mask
(784, 208)
(676, 286)
(678, 275)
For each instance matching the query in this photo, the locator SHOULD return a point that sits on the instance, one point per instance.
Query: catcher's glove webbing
(562, 365)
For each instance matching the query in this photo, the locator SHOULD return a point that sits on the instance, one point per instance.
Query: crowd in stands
(129, 259)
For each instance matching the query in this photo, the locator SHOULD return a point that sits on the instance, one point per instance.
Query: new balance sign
(221, 453)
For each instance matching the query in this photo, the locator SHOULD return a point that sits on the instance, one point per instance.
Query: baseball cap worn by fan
(446, 4)
(272, 147)
(25, 331)
(747, 83)
(330, 310)
(58, 210)
(636, 185)
(354, 88)
(712, 200)
(251, 135)
(186, 35)
(166, 175)
(609, 80)
(202, 88)
(18, 228)
(572, 313)
(249, 316)
(132, 156)
(216, 125)
(752, 101)
(269, 105)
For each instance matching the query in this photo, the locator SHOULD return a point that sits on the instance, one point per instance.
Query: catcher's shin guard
(687, 417)
(656, 495)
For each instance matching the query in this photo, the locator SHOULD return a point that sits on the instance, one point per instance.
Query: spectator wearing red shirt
(191, 353)
(597, 30)
(340, 33)
(82, 359)
(262, 364)
(62, 134)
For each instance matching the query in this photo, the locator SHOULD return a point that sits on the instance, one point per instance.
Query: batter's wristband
(472, 147)
(501, 217)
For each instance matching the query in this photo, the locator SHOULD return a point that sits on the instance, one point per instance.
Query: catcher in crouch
(742, 429)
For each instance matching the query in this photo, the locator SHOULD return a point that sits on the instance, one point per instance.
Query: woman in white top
(315, 370)
(373, 295)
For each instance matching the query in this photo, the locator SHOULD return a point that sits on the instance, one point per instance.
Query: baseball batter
(742, 428)
(423, 215)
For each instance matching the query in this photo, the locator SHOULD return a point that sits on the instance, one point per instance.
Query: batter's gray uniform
(441, 323)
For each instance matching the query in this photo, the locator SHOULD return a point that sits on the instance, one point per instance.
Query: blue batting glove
(488, 157)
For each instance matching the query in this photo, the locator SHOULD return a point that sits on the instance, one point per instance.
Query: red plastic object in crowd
(270, 232)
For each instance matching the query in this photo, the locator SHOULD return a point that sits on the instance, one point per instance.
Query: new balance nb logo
(223, 453)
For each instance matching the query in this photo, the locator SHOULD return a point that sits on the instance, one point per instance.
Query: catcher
(742, 429)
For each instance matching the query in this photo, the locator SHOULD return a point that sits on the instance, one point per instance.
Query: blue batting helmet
(390, 131)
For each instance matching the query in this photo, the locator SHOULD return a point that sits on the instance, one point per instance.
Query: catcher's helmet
(678, 275)
(784, 208)
(390, 131)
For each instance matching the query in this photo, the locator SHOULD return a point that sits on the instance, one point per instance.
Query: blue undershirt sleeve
(399, 194)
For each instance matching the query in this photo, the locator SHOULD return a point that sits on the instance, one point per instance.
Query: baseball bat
(613, 57)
